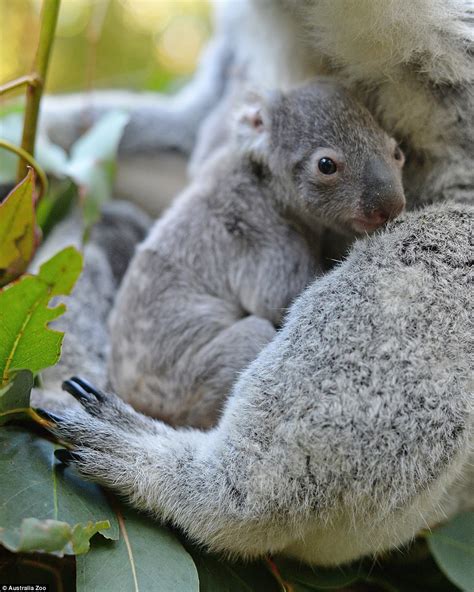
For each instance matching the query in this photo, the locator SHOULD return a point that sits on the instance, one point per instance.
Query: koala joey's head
(327, 154)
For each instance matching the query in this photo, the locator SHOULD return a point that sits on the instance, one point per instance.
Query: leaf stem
(27, 79)
(273, 568)
(28, 160)
(49, 17)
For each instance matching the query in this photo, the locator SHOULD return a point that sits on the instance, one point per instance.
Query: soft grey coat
(352, 429)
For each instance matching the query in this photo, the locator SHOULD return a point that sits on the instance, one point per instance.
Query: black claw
(66, 457)
(48, 415)
(88, 387)
(77, 391)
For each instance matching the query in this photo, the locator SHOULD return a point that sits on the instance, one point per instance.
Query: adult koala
(352, 429)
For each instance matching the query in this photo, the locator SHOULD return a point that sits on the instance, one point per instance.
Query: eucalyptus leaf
(51, 536)
(452, 547)
(146, 558)
(25, 339)
(52, 158)
(318, 578)
(45, 507)
(18, 235)
(15, 397)
(56, 205)
(411, 569)
(220, 575)
(101, 141)
(92, 162)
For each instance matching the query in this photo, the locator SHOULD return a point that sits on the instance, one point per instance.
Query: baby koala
(209, 286)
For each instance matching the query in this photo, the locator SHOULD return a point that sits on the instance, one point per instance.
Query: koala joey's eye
(327, 166)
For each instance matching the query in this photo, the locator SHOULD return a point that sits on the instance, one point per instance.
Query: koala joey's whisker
(88, 387)
(337, 261)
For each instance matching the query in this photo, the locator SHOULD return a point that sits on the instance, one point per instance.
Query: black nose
(383, 197)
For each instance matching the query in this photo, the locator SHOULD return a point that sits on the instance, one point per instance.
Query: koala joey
(211, 283)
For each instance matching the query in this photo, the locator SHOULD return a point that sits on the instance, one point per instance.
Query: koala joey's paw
(95, 448)
(104, 434)
(107, 406)
(98, 448)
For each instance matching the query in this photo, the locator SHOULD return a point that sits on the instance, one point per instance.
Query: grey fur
(329, 448)
(353, 429)
(215, 276)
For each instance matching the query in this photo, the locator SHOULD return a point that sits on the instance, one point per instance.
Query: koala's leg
(215, 368)
(157, 122)
(343, 436)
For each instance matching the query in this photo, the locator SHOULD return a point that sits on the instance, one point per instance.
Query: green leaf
(15, 397)
(100, 142)
(25, 339)
(452, 546)
(51, 536)
(91, 165)
(146, 558)
(55, 205)
(219, 575)
(318, 578)
(18, 236)
(411, 569)
(45, 507)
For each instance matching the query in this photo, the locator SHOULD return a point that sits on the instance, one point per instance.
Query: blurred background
(136, 44)
(151, 45)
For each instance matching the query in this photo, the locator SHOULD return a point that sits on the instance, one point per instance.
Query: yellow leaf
(17, 230)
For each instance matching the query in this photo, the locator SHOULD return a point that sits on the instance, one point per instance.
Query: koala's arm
(157, 122)
(343, 436)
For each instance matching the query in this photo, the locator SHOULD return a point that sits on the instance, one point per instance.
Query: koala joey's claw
(77, 391)
(48, 415)
(88, 387)
(87, 395)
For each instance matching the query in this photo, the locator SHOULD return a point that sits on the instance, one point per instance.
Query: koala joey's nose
(384, 198)
(388, 208)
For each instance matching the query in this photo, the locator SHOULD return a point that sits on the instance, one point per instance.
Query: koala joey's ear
(251, 117)
(252, 124)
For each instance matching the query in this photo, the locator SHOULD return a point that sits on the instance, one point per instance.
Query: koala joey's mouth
(362, 225)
